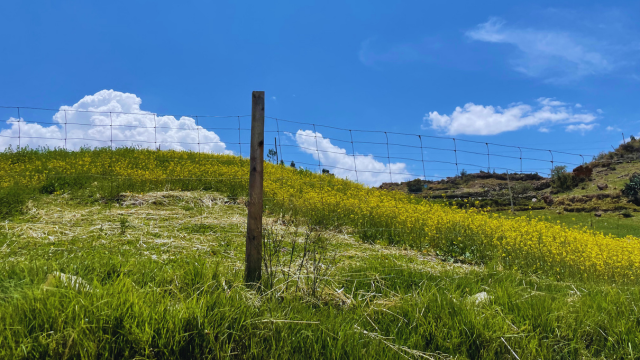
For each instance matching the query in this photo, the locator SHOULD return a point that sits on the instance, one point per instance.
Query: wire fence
(369, 157)
(356, 154)
(209, 152)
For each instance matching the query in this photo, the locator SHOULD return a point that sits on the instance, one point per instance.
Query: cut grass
(170, 286)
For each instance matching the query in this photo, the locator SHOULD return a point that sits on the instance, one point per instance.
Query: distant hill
(596, 186)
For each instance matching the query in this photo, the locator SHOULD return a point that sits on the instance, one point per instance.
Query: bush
(561, 180)
(521, 188)
(415, 186)
(632, 189)
(583, 171)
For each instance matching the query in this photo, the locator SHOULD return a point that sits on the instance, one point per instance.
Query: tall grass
(164, 281)
(197, 308)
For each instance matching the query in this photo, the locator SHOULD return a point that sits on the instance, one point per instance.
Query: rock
(548, 199)
(602, 186)
(598, 214)
(74, 282)
(479, 298)
(534, 200)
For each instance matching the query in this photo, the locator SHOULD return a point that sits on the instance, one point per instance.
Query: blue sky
(561, 75)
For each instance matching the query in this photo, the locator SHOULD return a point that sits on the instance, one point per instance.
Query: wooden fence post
(253, 253)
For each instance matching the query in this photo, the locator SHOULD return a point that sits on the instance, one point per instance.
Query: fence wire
(370, 157)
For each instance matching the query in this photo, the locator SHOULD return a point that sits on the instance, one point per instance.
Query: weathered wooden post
(253, 254)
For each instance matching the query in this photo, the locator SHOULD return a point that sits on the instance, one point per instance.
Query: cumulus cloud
(369, 170)
(472, 119)
(556, 55)
(112, 117)
(582, 128)
(613, 128)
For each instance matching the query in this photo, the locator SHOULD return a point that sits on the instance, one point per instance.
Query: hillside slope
(160, 276)
(600, 191)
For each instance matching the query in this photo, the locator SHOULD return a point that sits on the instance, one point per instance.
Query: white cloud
(555, 55)
(550, 102)
(582, 128)
(613, 128)
(89, 124)
(599, 111)
(475, 119)
(544, 130)
(369, 170)
(578, 106)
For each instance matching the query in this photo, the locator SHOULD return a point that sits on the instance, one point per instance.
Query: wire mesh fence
(111, 156)
(365, 156)
(397, 156)
(368, 157)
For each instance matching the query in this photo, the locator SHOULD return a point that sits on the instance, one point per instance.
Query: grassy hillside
(139, 254)
(493, 190)
(392, 218)
(159, 276)
(598, 193)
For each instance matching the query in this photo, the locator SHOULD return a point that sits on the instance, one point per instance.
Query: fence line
(319, 151)
(329, 156)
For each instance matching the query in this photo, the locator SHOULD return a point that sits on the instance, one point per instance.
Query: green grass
(168, 284)
(609, 223)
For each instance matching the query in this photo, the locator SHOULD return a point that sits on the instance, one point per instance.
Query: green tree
(272, 156)
(561, 180)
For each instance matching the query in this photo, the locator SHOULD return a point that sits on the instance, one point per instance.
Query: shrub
(632, 189)
(521, 188)
(583, 171)
(415, 186)
(561, 180)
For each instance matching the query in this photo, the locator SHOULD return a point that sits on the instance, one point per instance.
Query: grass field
(141, 267)
(167, 283)
(609, 223)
